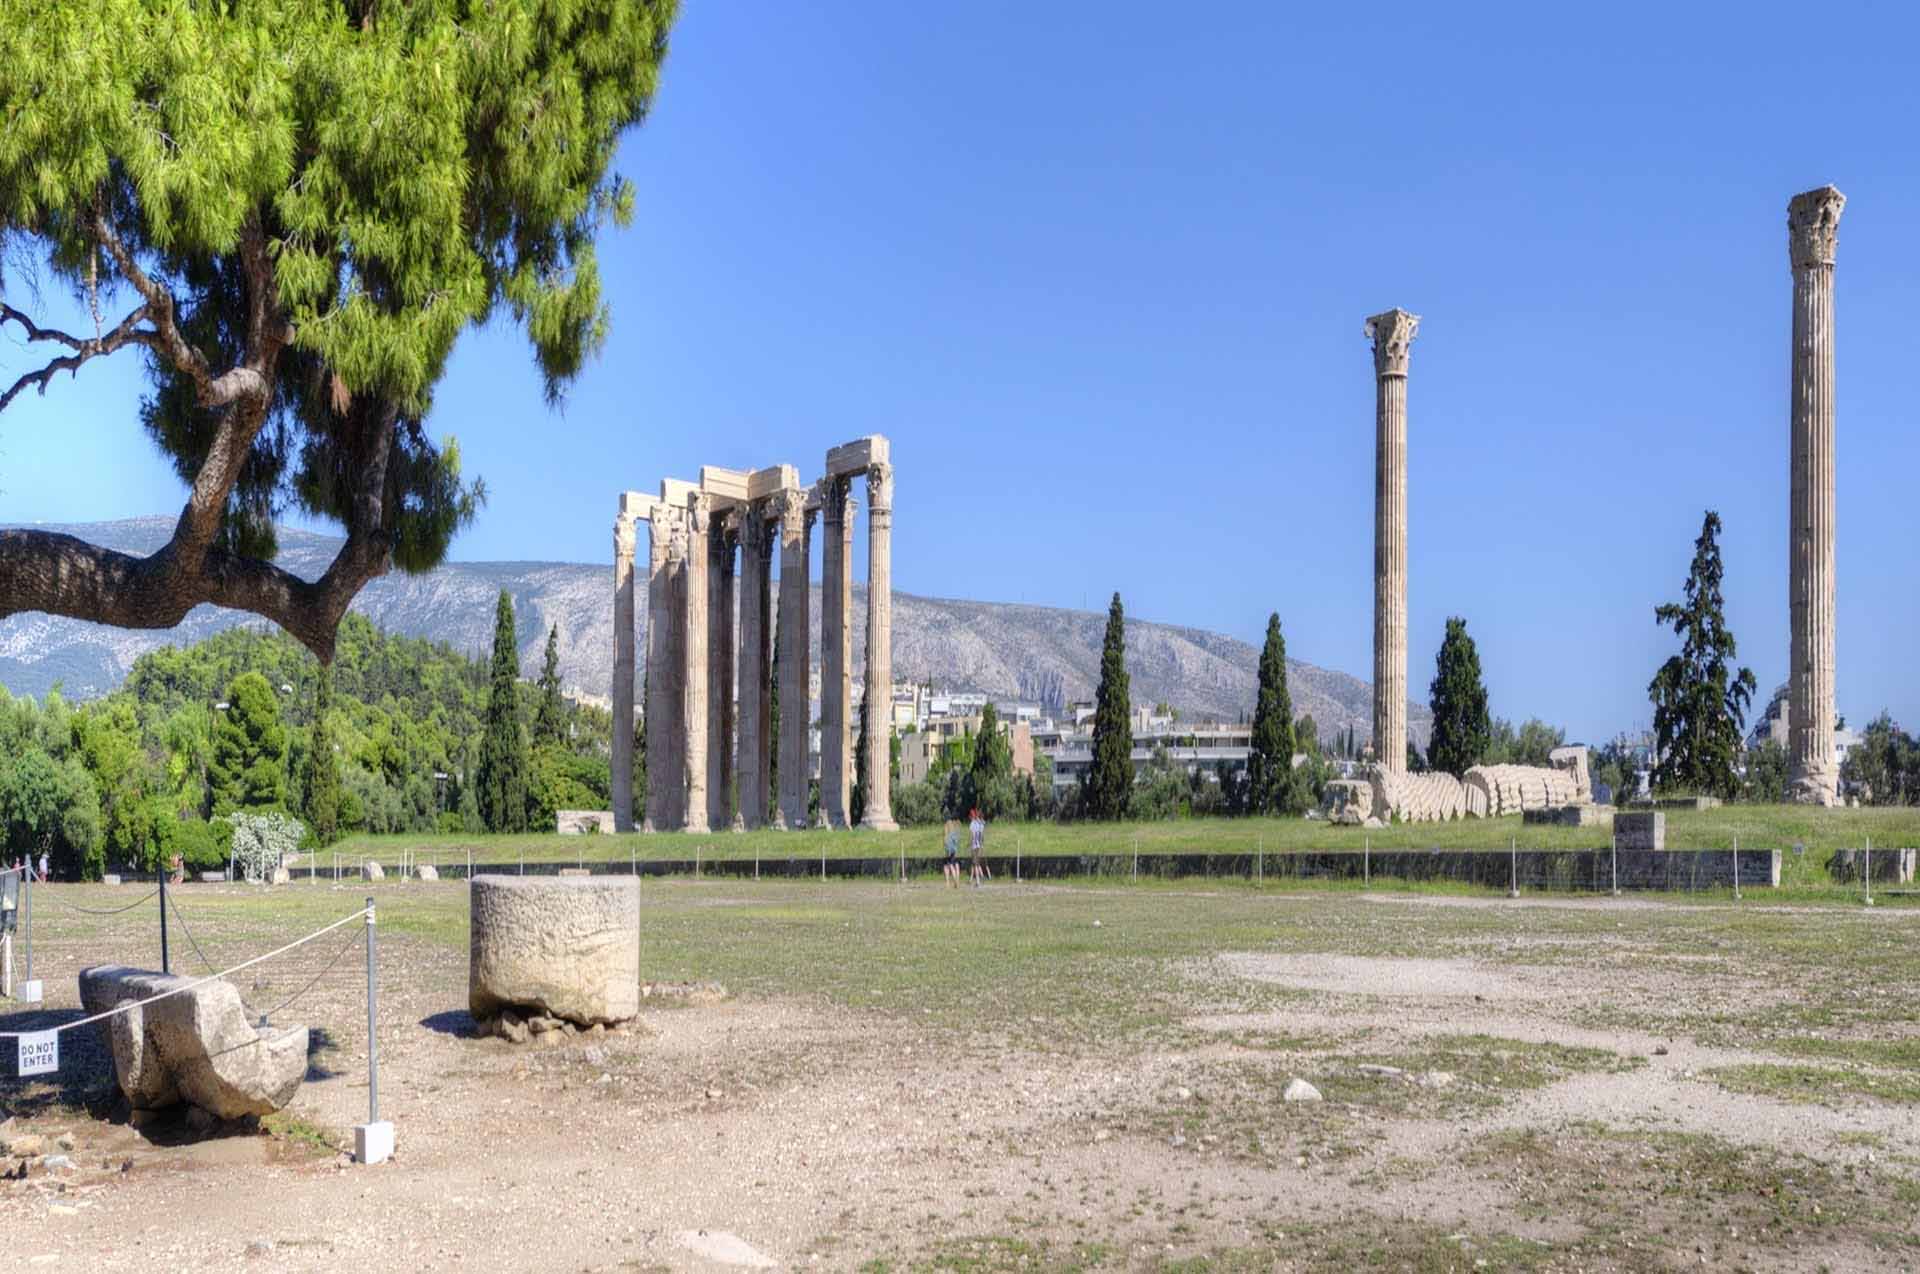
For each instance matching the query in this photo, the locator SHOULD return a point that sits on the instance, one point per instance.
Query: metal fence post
(26, 919)
(373, 1034)
(1616, 864)
(1513, 878)
(1136, 855)
(1736, 869)
(1866, 874)
(1366, 862)
(166, 960)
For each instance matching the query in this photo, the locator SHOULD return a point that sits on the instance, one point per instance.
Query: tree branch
(127, 333)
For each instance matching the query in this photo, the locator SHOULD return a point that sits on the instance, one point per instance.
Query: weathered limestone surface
(755, 705)
(658, 680)
(694, 669)
(623, 546)
(1641, 830)
(568, 947)
(371, 870)
(1392, 335)
(1348, 802)
(720, 672)
(793, 661)
(1890, 866)
(582, 822)
(1495, 790)
(1416, 798)
(673, 757)
(198, 1046)
(1813, 222)
(836, 602)
(1573, 759)
(879, 811)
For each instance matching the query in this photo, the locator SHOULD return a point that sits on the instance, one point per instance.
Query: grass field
(1065, 1077)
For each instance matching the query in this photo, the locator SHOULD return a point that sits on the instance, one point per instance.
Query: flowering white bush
(261, 842)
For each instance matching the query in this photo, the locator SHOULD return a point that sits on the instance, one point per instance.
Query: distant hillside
(999, 648)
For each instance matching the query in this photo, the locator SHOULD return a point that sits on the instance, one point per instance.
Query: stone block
(566, 947)
(427, 871)
(1641, 830)
(1567, 816)
(373, 1143)
(1890, 866)
(371, 870)
(110, 879)
(583, 822)
(196, 1046)
(213, 878)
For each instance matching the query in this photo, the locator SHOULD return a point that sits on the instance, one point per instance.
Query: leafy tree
(549, 717)
(1883, 768)
(1767, 774)
(323, 765)
(502, 779)
(1532, 744)
(261, 842)
(1309, 778)
(1270, 763)
(249, 764)
(992, 753)
(1459, 697)
(292, 211)
(1416, 764)
(1109, 782)
(1699, 701)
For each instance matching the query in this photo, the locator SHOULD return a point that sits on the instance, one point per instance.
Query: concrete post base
(373, 1143)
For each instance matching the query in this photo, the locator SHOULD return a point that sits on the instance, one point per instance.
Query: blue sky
(1099, 269)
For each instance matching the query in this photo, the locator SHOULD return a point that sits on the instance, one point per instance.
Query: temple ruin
(709, 692)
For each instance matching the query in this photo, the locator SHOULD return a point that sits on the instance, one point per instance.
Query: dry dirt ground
(1032, 1078)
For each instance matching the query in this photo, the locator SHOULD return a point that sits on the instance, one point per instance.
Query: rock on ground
(1300, 1090)
(562, 947)
(196, 1046)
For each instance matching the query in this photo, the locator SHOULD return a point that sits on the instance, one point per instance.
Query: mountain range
(1001, 648)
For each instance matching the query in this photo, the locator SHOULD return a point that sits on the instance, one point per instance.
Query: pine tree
(323, 765)
(249, 766)
(548, 717)
(1699, 703)
(993, 754)
(1270, 764)
(289, 214)
(502, 777)
(1461, 727)
(1109, 785)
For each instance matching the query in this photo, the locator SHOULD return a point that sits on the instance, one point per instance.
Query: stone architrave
(622, 741)
(694, 667)
(720, 708)
(879, 812)
(659, 716)
(1813, 222)
(755, 708)
(1392, 335)
(836, 649)
(792, 813)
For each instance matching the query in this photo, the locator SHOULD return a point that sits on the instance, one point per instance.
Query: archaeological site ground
(1052, 1077)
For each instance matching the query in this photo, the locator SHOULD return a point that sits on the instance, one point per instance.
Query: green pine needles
(1270, 786)
(290, 210)
(1109, 785)
(1462, 730)
(502, 777)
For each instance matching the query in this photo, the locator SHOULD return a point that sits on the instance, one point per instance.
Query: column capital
(790, 506)
(880, 487)
(1813, 226)
(624, 537)
(1392, 335)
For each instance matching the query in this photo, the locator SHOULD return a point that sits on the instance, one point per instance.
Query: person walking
(951, 868)
(977, 832)
(43, 866)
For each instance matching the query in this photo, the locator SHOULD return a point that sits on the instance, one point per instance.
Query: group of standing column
(710, 750)
(1813, 221)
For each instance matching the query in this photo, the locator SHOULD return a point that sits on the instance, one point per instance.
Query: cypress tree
(1109, 785)
(1270, 765)
(993, 754)
(858, 797)
(503, 744)
(547, 717)
(1461, 727)
(323, 766)
(1699, 703)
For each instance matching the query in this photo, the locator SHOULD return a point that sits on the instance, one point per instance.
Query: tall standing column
(699, 554)
(623, 546)
(720, 671)
(1392, 336)
(659, 678)
(836, 652)
(879, 811)
(793, 661)
(1813, 222)
(750, 767)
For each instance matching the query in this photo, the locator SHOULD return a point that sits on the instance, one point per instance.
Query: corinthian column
(1813, 222)
(699, 552)
(720, 671)
(836, 598)
(755, 707)
(793, 661)
(659, 682)
(1392, 336)
(879, 812)
(623, 545)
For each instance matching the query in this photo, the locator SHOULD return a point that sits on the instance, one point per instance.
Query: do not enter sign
(39, 1053)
